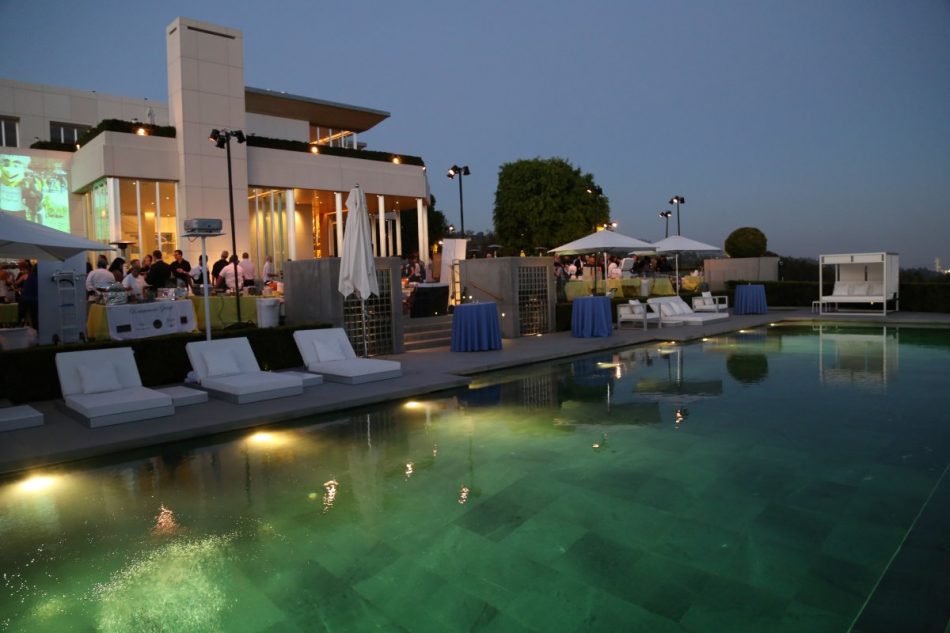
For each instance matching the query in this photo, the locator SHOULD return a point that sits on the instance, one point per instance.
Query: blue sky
(825, 124)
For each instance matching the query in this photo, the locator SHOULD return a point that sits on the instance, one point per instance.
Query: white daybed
(328, 352)
(860, 279)
(228, 369)
(635, 312)
(103, 386)
(674, 311)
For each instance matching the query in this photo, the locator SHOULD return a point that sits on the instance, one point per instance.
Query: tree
(545, 202)
(747, 241)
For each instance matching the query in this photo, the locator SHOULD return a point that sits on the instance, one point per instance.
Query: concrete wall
(36, 105)
(496, 279)
(717, 272)
(285, 170)
(311, 295)
(124, 156)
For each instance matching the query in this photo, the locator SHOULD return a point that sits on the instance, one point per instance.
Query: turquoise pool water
(760, 481)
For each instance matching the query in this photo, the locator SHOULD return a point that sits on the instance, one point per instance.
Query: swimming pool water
(759, 481)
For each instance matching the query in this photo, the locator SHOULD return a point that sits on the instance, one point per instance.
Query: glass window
(97, 209)
(66, 132)
(268, 208)
(8, 132)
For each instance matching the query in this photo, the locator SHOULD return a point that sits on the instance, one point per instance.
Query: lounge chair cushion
(220, 362)
(841, 289)
(98, 378)
(328, 350)
(123, 360)
(253, 382)
(356, 370)
(125, 400)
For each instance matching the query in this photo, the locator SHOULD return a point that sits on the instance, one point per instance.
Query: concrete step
(427, 332)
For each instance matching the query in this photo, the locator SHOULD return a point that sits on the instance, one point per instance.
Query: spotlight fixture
(678, 200)
(454, 171)
(666, 216)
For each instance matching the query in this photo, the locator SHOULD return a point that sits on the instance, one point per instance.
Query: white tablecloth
(141, 320)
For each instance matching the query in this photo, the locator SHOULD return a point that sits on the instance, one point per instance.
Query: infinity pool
(759, 481)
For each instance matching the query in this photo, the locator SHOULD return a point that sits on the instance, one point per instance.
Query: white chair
(709, 303)
(328, 352)
(636, 313)
(674, 311)
(103, 386)
(228, 369)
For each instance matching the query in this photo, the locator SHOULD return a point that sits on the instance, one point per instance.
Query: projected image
(36, 189)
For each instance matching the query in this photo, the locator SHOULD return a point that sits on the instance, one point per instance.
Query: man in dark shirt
(181, 267)
(218, 265)
(159, 273)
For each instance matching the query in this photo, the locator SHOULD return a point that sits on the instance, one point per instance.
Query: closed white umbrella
(677, 244)
(22, 239)
(605, 241)
(357, 266)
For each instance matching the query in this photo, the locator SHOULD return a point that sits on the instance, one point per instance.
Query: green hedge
(127, 127)
(326, 150)
(27, 375)
(914, 297)
(54, 145)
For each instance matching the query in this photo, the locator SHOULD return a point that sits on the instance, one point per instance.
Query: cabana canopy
(860, 278)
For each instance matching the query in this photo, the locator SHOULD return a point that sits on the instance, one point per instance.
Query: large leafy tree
(747, 241)
(545, 202)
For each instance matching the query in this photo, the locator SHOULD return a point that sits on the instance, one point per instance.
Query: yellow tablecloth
(8, 313)
(691, 283)
(224, 311)
(661, 287)
(578, 288)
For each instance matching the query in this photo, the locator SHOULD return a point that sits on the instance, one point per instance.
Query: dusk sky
(825, 124)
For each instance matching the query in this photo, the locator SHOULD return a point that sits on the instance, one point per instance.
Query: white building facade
(131, 184)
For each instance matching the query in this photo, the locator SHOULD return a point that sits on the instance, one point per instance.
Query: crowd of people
(152, 272)
(20, 287)
(567, 268)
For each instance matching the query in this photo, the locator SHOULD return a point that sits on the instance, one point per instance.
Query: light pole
(666, 216)
(222, 139)
(454, 171)
(678, 200)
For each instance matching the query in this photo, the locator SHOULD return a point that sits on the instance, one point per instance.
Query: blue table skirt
(476, 328)
(750, 299)
(590, 317)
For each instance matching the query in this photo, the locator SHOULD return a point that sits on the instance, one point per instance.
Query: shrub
(747, 241)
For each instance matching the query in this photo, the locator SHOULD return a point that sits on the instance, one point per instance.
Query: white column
(423, 231)
(398, 233)
(338, 196)
(381, 211)
(389, 238)
(291, 224)
(356, 142)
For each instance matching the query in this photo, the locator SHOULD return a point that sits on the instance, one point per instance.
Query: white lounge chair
(709, 303)
(674, 311)
(104, 387)
(636, 313)
(228, 369)
(328, 352)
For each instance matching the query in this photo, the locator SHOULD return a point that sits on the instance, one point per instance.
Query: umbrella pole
(363, 315)
(677, 274)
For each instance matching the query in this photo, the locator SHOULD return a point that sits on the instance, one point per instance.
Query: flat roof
(339, 116)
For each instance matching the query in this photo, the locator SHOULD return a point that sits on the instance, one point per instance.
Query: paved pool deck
(64, 438)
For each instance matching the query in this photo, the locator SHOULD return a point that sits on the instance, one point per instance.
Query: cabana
(860, 278)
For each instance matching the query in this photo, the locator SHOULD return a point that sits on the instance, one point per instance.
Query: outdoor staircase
(427, 332)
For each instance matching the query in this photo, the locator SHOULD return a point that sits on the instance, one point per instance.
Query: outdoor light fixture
(666, 216)
(222, 140)
(677, 200)
(454, 171)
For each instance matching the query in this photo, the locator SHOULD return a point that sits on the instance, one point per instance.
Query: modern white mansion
(290, 179)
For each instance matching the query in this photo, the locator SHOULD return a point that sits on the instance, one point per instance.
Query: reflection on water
(866, 358)
(647, 449)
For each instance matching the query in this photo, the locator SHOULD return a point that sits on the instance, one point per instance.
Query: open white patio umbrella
(22, 239)
(604, 242)
(677, 244)
(357, 267)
